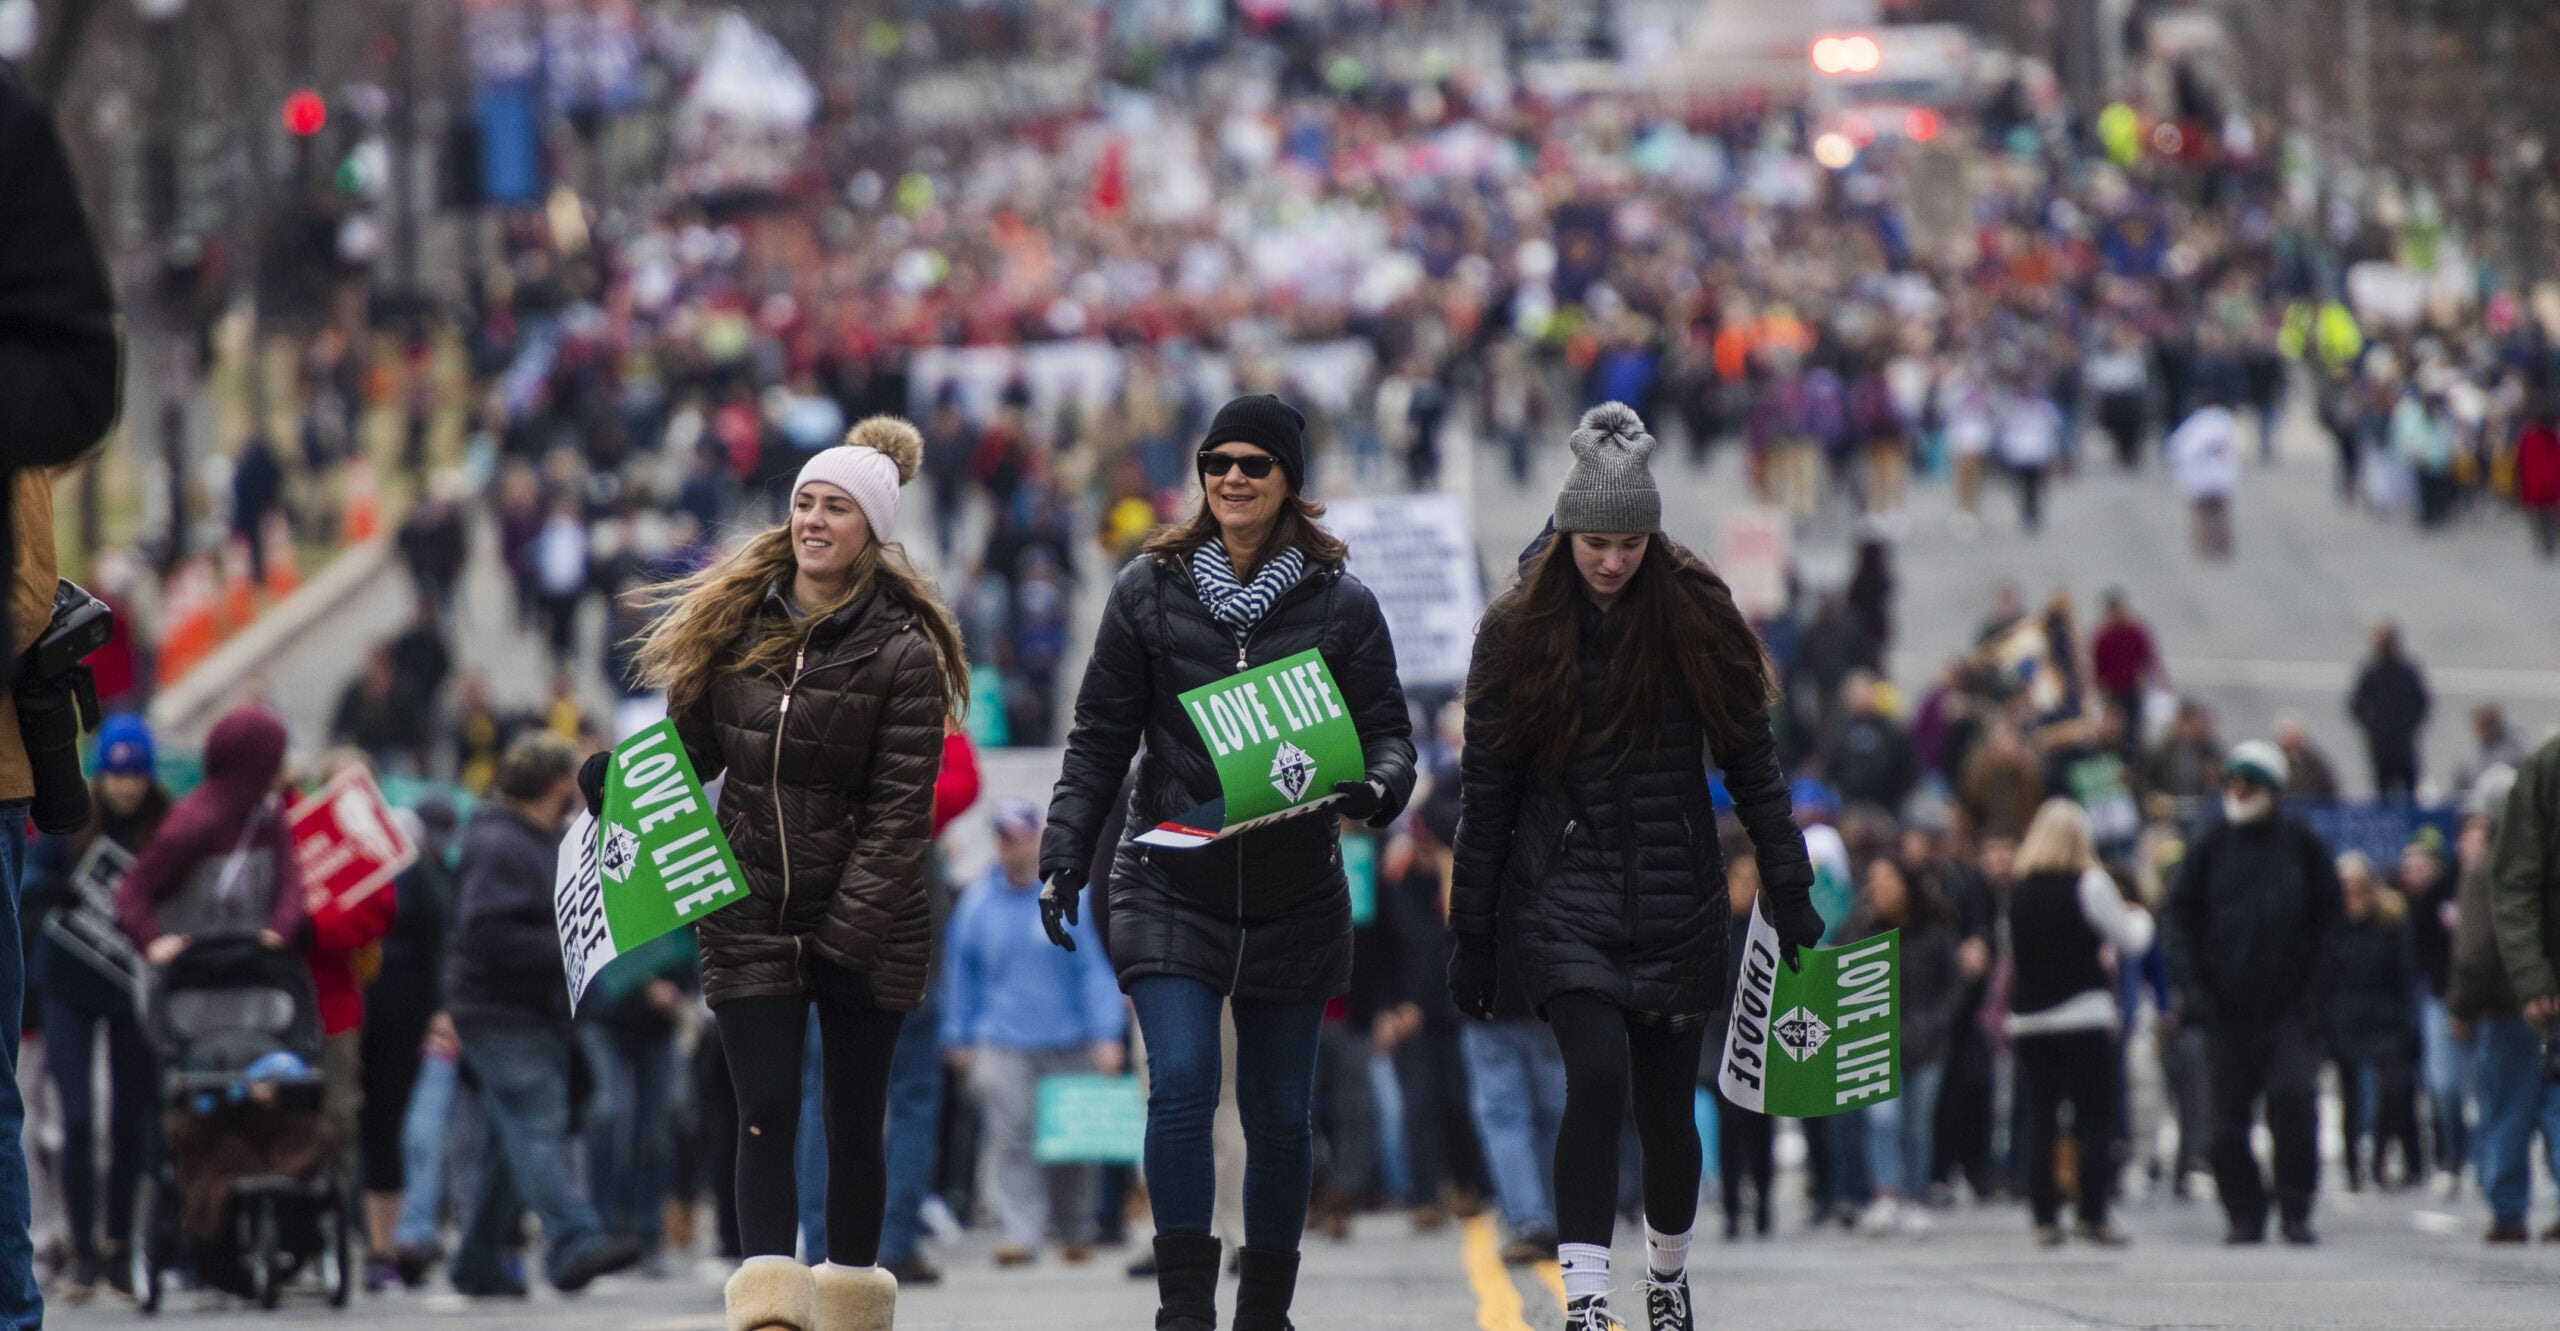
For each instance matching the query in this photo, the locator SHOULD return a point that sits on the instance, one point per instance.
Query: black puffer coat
(1608, 880)
(829, 804)
(1265, 915)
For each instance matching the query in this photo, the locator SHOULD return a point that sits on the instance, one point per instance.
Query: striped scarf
(1231, 602)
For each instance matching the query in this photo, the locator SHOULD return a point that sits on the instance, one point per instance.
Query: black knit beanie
(1269, 424)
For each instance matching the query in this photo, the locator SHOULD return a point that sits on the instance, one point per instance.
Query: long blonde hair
(689, 646)
(2058, 841)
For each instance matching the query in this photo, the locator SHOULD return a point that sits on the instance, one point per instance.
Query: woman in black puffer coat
(1262, 918)
(1603, 686)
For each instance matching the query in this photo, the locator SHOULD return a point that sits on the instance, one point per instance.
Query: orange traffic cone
(192, 633)
(239, 604)
(284, 570)
(362, 508)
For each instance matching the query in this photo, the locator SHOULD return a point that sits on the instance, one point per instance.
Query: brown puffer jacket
(829, 804)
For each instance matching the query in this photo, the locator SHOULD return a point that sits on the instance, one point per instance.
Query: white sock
(1586, 1268)
(1667, 1255)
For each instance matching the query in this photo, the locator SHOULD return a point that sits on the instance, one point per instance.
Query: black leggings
(764, 1038)
(1604, 1055)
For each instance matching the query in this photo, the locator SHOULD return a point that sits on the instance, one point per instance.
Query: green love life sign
(1817, 1041)
(1280, 735)
(655, 862)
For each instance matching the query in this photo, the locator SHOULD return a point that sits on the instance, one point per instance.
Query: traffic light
(305, 113)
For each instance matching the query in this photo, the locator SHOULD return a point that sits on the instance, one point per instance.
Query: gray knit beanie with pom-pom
(1611, 485)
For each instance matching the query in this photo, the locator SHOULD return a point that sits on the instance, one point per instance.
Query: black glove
(1361, 801)
(591, 780)
(1471, 977)
(1058, 905)
(1799, 925)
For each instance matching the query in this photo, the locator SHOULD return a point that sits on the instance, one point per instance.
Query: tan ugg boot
(772, 1294)
(856, 1298)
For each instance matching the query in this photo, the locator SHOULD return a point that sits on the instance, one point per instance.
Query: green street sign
(655, 862)
(1817, 1041)
(1281, 737)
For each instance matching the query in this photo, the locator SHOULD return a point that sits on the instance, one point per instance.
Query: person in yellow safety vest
(2329, 330)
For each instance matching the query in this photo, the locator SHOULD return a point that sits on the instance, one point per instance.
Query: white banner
(577, 902)
(1418, 554)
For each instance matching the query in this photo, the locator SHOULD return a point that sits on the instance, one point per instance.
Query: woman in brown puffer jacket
(814, 667)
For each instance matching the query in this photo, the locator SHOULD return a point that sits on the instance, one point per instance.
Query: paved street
(2400, 1262)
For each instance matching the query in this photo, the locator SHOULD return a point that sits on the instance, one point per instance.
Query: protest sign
(1417, 555)
(1280, 736)
(1753, 552)
(87, 929)
(655, 861)
(1821, 1040)
(344, 841)
(1087, 1118)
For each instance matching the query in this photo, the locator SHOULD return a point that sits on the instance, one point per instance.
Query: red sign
(344, 840)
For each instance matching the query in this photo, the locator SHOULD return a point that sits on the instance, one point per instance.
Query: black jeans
(764, 1038)
(2079, 1068)
(1606, 1056)
(2278, 1062)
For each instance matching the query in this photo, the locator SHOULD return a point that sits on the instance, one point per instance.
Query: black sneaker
(1666, 1306)
(600, 1258)
(2298, 1233)
(2241, 1235)
(1590, 1313)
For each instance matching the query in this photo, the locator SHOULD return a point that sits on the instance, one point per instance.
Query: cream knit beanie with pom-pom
(877, 456)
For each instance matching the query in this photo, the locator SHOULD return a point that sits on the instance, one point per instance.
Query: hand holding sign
(650, 860)
(1284, 745)
(1815, 1041)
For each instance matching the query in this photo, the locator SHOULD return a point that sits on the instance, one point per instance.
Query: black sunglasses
(1216, 464)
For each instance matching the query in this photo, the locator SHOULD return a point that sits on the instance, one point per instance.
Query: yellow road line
(1552, 1276)
(1498, 1305)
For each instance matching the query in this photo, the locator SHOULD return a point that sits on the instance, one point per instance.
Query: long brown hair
(1295, 527)
(1682, 632)
(690, 645)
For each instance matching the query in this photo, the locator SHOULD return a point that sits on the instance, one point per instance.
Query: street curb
(182, 704)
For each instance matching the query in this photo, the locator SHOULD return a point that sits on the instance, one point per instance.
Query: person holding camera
(58, 398)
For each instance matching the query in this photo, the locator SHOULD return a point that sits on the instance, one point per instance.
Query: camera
(57, 700)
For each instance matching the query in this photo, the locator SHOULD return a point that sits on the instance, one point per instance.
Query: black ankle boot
(1186, 1282)
(1265, 1282)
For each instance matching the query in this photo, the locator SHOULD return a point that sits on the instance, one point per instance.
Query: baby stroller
(250, 1194)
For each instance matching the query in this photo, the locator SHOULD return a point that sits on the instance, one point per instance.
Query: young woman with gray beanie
(1603, 685)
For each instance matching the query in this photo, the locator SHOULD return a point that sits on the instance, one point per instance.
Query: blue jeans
(71, 1038)
(21, 1303)
(2514, 1102)
(1515, 1087)
(1275, 1093)
(630, 1153)
(422, 1150)
(1902, 1132)
(524, 1090)
(915, 1132)
(2447, 1068)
